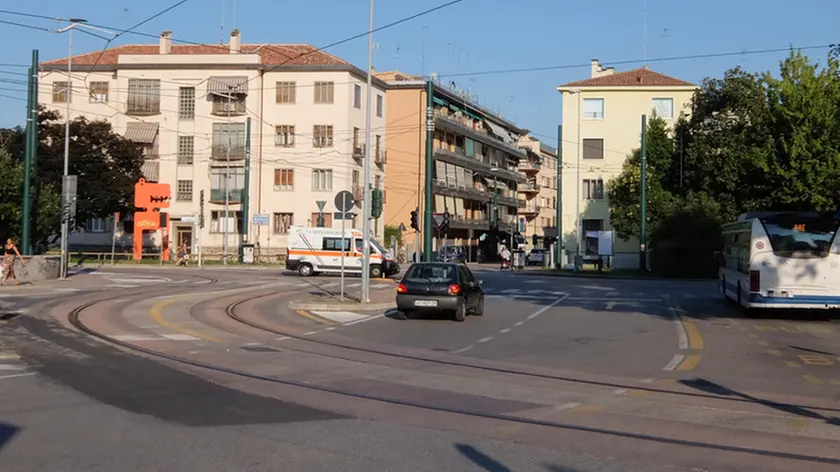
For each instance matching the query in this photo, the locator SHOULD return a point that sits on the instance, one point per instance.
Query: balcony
(219, 152)
(358, 192)
(529, 209)
(381, 156)
(358, 151)
(461, 159)
(217, 195)
(529, 166)
(461, 222)
(529, 187)
(223, 107)
(452, 123)
(459, 190)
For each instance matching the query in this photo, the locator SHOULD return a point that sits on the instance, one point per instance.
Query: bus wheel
(375, 271)
(305, 270)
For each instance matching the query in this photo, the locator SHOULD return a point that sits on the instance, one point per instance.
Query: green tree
(396, 233)
(108, 166)
(624, 192)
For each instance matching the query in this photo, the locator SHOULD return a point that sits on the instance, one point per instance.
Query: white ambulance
(318, 250)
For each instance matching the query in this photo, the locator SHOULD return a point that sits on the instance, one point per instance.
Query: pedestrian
(10, 252)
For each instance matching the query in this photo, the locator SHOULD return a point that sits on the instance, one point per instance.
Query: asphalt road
(560, 374)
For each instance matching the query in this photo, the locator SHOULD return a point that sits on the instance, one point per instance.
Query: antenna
(398, 56)
(222, 31)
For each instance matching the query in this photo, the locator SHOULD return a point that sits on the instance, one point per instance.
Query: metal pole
(366, 207)
(558, 259)
(578, 229)
(429, 198)
(65, 201)
(27, 169)
(227, 185)
(114, 237)
(682, 194)
(246, 221)
(343, 249)
(643, 222)
(33, 140)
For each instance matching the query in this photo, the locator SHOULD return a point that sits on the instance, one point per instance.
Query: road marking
(649, 380)
(4, 357)
(506, 330)
(690, 363)
(616, 300)
(156, 312)
(519, 323)
(675, 361)
(135, 337)
(463, 349)
(180, 337)
(762, 343)
(694, 337)
(305, 284)
(814, 360)
(812, 380)
(366, 319)
(315, 318)
(484, 340)
(798, 424)
(681, 334)
(283, 338)
(620, 391)
(586, 409)
(12, 376)
(353, 285)
(11, 367)
(792, 364)
(522, 297)
(310, 333)
(567, 406)
(340, 317)
(775, 352)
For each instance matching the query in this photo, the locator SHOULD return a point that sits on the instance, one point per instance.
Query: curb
(573, 275)
(173, 267)
(324, 306)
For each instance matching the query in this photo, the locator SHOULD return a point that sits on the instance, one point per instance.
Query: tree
(624, 192)
(11, 195)
(107, 164)
(392, 231)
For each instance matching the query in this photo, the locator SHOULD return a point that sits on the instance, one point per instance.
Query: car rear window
(432, 273)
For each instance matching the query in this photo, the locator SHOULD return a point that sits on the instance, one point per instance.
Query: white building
(188, 105)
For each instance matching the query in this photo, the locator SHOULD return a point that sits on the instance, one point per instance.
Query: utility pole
(246, 194)
(366, 207)
(227, 183)
(29, 155)
(430, 170)
(558, 214)
(643, 222)
(682, 194)
(65, 201)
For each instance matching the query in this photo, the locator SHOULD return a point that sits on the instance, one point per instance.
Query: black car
(440, 286)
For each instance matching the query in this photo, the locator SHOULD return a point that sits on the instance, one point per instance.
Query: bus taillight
(755, 281)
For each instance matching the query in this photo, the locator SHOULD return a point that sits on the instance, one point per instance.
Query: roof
(271, 54)
(641, 77)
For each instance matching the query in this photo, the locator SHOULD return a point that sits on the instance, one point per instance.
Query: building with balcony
(188, 106)
(476, 168)
(601, 127)
(538, 195)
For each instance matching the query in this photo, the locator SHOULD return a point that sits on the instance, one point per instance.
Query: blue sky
(475, 35)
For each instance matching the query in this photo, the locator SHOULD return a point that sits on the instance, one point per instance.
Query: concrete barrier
(37, 268)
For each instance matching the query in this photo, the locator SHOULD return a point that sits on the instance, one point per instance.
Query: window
(284, 179)
(286, 92)
(335, 244)
(228, 135)
(593, 148)
(221, 223)
(228, 105)
(322, 136)
(186, 150)
(95, 225)
(664, 108)
(143, 96)
(61, 92)
(324, 92)
(379, 106)
(593, 108)
(98, 92)
(284, 136)
(357, 96)
(593, 189)
(185, 191)
(356, 144)
(186, 103)
(322, 180)
(282, 222)
(327, 223)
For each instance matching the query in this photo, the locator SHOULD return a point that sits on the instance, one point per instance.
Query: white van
(318, 250)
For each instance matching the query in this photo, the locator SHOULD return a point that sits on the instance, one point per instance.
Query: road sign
(343, 215)
(260, 219)
(402, 228)
(344, 201)
(438, 219)
(321, 204)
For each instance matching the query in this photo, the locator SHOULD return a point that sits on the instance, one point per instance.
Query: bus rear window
(800, 238)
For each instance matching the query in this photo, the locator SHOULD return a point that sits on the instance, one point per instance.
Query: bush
(684, 243)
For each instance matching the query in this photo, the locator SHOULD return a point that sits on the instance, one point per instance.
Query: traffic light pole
(643, 222)
(430, 170)
(366, 206)
(558, 217)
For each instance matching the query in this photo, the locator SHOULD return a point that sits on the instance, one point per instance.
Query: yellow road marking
(8, 356)
(812, 380)
(316, 318)
(586, 408)
(792, 364)
(695, 340)
(775, 352)
(638, 393)
(798, 424)
(670, 381)
(690, 362)
(814, 360)
(156, 312)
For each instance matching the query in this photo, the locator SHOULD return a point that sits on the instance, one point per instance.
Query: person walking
(10, 252)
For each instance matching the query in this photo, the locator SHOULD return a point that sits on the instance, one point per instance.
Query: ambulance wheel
(305, 270)
(375, 272)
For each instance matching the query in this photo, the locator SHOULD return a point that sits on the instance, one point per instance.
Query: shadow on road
(7, 432)
(717, 389)
(492, 465)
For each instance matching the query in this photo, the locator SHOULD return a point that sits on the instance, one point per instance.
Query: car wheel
(461, 311)
(305, 270)
(479, 308)
(375, 271)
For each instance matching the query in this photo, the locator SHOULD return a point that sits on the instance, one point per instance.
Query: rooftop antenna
(398, 56)
(222, 31)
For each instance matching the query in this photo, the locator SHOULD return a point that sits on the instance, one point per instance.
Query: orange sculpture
(149, 198)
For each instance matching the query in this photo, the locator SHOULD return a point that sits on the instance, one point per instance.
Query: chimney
(235, 41)
(166, 42)
(599, 71)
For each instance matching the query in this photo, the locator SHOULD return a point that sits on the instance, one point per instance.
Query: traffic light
(534, 239)
(444, 225)
(414, 224)
(376, 203)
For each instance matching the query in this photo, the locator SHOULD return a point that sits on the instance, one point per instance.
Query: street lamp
(65, 200)
(577, 185)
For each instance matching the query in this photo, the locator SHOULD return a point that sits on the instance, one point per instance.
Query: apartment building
(538, 195)
(601, 127)
(188, 106)
(477, 158)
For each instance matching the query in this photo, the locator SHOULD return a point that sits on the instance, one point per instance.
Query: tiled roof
(271, 54)
(642, 77)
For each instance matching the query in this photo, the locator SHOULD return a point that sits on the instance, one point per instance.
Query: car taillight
(401, 288)
(454, 289)
(755, 281)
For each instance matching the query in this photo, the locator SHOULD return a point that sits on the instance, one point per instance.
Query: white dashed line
(567, 406)
(620, 391)
(519, 323)
(506, 330)
(648, 380)
(12, 376)
(365, 319)
(282, 338)
(330, 328)
(681, 335)
(484, 340)
(674, 362)
(310, 333)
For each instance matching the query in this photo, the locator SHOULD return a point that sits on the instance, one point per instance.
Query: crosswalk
(11, 366)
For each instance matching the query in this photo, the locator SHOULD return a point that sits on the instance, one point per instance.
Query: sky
(459, 41)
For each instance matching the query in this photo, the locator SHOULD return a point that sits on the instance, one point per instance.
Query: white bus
(313, 251)
(781, 260)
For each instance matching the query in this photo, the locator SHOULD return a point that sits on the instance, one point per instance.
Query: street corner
(335, 304)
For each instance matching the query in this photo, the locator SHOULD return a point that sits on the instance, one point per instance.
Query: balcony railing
(461, 159)
(381, 156)
(220, 152)
(358, 192)
(217, 195)
(459, 190)
(463, 126)
(529, 187)
(529, 209)
(470, 223)
(529, 166)
(358, 151)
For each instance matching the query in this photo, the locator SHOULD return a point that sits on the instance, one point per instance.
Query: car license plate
(425, 302)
